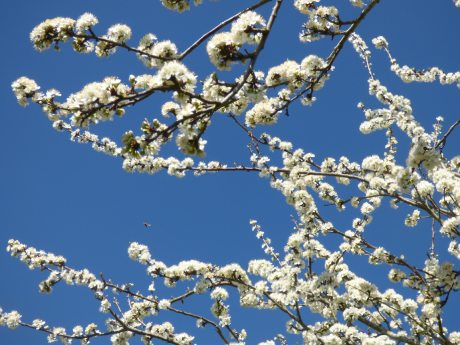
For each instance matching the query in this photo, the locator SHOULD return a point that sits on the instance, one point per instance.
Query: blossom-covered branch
(314, 272)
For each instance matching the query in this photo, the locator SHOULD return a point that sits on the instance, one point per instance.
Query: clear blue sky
(65, 198)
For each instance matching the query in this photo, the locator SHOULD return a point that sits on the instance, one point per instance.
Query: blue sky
(65, 198)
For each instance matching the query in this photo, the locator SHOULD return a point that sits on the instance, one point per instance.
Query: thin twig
(227, 21)
(449, 131)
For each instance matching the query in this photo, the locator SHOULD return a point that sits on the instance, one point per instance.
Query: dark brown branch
(205, 320)
(441, 143)
(205, 36)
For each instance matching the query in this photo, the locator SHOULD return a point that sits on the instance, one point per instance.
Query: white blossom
(164, 304)
(11, 319)
(223, 50)
(380, 42)
(139, 252)
(85, 21)
(248, 28)
(51, 31)
(119, 33)
(219, 293)
(179, 5)
(23, 89)
(413, 218)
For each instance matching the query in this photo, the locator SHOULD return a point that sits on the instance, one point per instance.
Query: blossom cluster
(409, 74)
(179, 5)
(322, 20)
(59, 30)
(11, 320)
(154, 53)
(101, 101)
(224, 48)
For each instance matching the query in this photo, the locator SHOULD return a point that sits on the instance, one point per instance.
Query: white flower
(320, 19)
(51, 31)
(91, 328)
(91, 98)
(38, 324)
(119, 33)
(247, 28)
(412, 219)
(11, 319)
(423, 189)
(165, 50)
(219, 293)
(396, 275)
(454, 337)
(139, 252)
(380, 42)
(77, 331)
(359, 45)
(367, 208)
(105, 306)
(164, 304)
(305, 6)
(183, 339)
(357, 3)
(352, 313)
(174, 73)
(313, 64)
(242, 335)
(289, 72)
(200, 323)
(450, 226)
(23, 89)
(86, 21)
(263, 113)
(161, 51)
(379, 256)
(179, 5)
(454, 249)
(223, 50)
